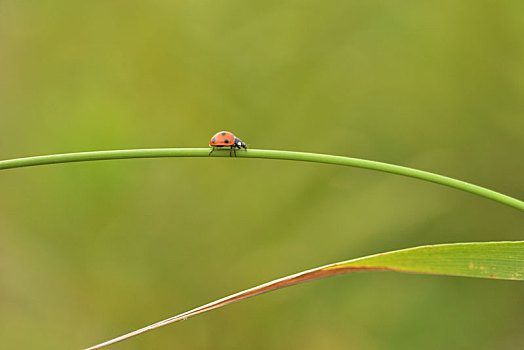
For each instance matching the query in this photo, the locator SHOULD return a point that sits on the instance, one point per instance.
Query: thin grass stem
(266, 154)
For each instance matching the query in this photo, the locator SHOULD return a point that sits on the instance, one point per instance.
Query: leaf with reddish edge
(495, 260)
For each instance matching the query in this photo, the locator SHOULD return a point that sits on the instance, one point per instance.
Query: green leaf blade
(494, 260)
(500, 260)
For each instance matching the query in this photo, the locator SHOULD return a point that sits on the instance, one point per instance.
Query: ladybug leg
(212, 150)
(235, 151)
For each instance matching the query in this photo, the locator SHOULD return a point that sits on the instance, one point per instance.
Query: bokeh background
(89, 251)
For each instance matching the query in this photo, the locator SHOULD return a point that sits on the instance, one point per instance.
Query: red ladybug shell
(223, 138)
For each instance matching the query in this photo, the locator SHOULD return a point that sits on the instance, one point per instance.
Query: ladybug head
(240, 144)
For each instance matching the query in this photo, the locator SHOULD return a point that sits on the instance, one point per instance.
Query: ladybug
(226, 139)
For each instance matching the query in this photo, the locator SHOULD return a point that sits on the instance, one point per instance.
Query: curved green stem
(268, 154)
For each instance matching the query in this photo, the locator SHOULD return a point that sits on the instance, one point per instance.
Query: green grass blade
(496, 260)
(267, 154)
(500, 260)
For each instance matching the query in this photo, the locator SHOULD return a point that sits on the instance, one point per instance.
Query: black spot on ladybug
(213, 140)
(226, 141)
(224, 134)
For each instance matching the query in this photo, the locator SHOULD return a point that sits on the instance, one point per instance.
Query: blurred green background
(89, 251)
